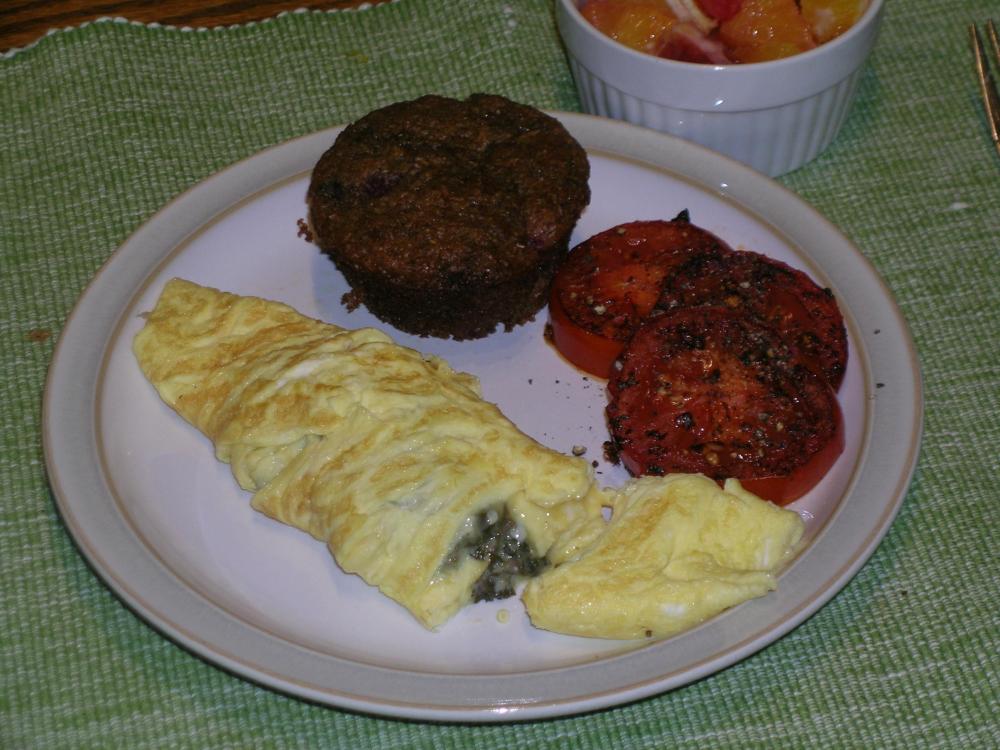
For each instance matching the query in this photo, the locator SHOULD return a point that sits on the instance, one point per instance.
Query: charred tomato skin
(758, 286)
(710, 390)
(608, 285)
(589, 351)
(790, 487)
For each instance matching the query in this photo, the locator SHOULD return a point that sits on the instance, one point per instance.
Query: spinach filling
(496, 538)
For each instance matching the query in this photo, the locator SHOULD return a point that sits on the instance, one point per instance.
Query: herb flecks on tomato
(588, 351)
(783, 297)
(609, 284)
(783, 490)
(709, 390)
(719, 362)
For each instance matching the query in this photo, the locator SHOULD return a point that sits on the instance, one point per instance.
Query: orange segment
(640, 25)
(831, 18)
(766, 30)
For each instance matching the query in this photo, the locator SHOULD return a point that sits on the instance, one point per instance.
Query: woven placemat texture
(101, 125)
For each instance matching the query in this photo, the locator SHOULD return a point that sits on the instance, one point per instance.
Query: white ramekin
(774, 116)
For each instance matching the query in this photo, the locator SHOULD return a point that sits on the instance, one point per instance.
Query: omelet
(389, 456)
(677, 550)
(425, 490)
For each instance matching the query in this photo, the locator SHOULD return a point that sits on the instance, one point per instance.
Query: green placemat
(101, 125)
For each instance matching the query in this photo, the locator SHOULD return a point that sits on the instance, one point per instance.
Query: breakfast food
(720, 32)
(713, 391)
(771, 291)
(390, 457)
(448, 217)
(677, 551)
(719, 361)
(425, 490)
(610, 283)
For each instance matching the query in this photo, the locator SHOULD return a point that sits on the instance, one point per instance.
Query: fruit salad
(720, 32)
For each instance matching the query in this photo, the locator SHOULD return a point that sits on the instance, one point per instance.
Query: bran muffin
(448, 217)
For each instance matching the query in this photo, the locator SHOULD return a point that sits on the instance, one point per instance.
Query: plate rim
(728, 179)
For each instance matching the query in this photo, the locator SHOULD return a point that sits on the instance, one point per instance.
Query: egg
(389, 456)
(427, 491)
(677, 550)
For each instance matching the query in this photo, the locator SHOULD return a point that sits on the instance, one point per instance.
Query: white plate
(168, 529)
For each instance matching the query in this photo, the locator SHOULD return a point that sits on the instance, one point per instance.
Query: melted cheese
(678, 550)
(381, 452)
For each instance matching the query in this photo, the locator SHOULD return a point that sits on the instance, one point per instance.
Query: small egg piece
(678, 550)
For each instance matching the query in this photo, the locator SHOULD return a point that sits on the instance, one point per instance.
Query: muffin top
(438, 193)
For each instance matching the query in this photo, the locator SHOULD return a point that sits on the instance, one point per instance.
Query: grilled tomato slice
(785, 489)
(781, 296)
(712, 390)
(608, 285)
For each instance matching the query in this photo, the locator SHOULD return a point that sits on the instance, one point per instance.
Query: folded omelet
(389, 456)
(427, 491)
(678, 550)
